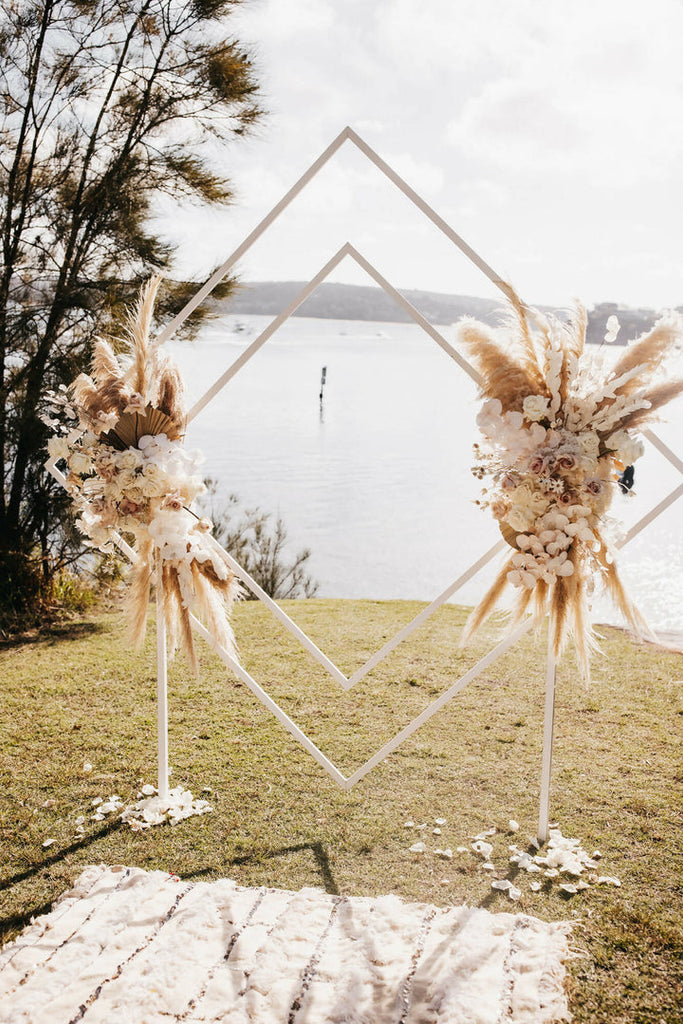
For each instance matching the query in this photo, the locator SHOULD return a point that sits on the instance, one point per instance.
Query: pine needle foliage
(105, 105)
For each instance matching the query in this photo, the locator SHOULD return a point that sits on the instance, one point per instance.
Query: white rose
(525, 497)
(626, 448)
(79, 463)
(57, 448)
(589, 442)
(127, 460)
(536, 408)
(520, 519)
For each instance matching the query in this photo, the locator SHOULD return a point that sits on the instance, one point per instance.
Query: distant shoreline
(359, 302)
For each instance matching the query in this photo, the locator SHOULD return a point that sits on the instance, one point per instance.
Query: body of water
(377, 483)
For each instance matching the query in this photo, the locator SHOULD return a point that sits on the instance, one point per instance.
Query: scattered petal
(80, 819)
(513, 825)
(97, 801)
(409, 824)
(501, 883)
(417, 848)
(148, 790)
(488, 866)
(534, 886)
(48, 842)
(49, 803)
(87, 767)
(447, 853)
(608, 880)
(514, 893)
(461, 849)
(436, 831)
(439, 821)
(482, 848)
(569, 889)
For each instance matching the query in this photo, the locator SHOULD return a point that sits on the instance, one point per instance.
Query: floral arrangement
(558, 428)
(120, 438)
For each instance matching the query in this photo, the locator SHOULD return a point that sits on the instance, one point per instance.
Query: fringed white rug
(126, 946)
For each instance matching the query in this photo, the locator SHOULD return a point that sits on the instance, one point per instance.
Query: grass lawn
(78, 694)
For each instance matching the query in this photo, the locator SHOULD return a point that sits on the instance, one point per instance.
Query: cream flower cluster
(553, 467)
(143, 489)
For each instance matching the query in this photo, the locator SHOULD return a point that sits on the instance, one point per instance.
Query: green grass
(78, 694)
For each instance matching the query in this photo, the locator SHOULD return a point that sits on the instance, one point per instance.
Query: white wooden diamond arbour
(348, 251)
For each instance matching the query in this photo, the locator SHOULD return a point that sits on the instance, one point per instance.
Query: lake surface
(378, 484)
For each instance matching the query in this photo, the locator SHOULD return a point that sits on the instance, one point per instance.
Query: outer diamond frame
(346, 782)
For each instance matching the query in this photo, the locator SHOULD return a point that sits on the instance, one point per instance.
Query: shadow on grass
(55, 858)
(52, 634)
(317, 849)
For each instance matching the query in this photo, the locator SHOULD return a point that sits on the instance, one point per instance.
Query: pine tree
(104, 105)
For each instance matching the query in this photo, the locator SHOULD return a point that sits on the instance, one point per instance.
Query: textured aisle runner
(126, 946)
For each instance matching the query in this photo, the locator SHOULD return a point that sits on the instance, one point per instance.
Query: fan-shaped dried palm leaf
(131, 426)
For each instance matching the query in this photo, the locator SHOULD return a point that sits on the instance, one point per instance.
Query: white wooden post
(548, 721)
(162, 685)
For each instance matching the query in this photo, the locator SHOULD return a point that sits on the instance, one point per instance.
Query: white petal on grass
(501, 883)
(514, 893)
(608, 880)
(48, 842)
(409, 824)
(417, 848)
(87, 767)
(439, 821)
(436, 831)
(513, 825)
(483, 849)
(148, 790)
(534, 886)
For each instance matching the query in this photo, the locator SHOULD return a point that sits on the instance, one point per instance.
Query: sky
(549, 136)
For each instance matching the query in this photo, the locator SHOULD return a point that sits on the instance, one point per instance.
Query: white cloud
(597, 95)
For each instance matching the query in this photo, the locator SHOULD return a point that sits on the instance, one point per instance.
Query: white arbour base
(347, 250)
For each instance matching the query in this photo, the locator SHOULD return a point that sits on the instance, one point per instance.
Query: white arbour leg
(162, 682)
(547, 756)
